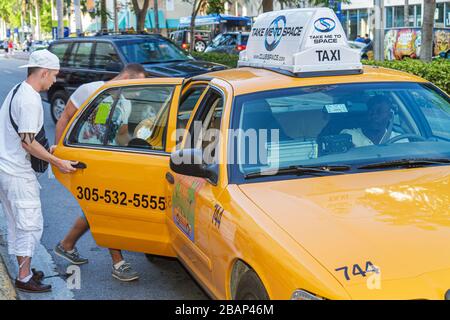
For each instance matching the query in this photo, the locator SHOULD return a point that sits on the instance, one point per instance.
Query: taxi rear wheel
(250, 287)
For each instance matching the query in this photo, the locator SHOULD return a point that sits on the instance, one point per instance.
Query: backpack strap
(10, 103)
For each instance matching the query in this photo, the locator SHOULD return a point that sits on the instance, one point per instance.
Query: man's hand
(52, 149)
(65, 166)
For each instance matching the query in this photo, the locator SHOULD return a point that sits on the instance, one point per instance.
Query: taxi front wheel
(250, 287)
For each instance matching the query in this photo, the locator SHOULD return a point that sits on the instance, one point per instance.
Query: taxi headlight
(304, 295)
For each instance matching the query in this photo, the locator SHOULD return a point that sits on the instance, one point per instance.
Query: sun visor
(305, 42)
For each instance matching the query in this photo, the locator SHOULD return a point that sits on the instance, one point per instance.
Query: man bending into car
(66, 248)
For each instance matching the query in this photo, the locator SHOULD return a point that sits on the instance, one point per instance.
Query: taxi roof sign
(305, 42)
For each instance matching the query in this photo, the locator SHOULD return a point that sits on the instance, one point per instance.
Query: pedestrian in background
(121, 270)
(10, 47)
(22, 141)
(5, 46)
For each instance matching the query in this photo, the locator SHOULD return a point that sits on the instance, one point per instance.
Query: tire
(250, 287)
(200, 46)
(57, 104)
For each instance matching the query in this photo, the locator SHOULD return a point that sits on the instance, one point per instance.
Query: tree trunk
(103, 16)
(141, 13)
(60, 15)
(406, 13)
(426, 49)
(155, 12)
(38, 19)
(267, 5)
(77, 12)
(116, 17)
(195, 9)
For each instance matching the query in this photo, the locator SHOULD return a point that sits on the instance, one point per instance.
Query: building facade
(357, 17)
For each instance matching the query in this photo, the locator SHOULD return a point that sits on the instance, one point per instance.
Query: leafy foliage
(437, 71)
(215, 6)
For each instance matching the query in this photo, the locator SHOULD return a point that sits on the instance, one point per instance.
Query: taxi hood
(399, 220)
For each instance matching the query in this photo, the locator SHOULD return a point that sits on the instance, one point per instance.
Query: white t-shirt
(84, 92)
(359, 139)
(27, 112)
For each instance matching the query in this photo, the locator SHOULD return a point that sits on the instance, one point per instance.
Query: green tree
(215, 6)
(10, 12)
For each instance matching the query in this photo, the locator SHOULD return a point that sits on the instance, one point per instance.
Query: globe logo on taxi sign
(325, 25)
(274, 33)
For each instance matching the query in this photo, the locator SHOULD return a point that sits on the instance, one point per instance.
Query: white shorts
(21, 203)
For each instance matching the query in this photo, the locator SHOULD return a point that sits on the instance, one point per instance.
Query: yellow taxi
(299, 175)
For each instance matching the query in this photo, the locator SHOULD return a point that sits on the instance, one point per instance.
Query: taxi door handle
(169, 177)
(80, 165)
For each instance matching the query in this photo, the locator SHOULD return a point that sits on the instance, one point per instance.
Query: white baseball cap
(42, 59)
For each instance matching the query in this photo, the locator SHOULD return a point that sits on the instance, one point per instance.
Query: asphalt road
(159, 279)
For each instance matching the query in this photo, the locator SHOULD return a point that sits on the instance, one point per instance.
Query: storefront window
(411, 16)
(419, 15)
(389, 17)
(363, 22)
(353, 25)
(447, 14)
(439, 17)
(399, 17)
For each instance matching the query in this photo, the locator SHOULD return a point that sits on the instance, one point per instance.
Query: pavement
(7, 291)
(159, 279)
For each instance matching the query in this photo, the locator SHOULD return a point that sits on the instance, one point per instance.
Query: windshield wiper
(299, 170)
(406, 163)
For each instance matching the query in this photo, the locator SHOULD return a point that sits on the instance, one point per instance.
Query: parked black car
(99, 58)
(229, 42)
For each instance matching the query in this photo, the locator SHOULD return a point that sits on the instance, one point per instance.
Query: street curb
(7, 291)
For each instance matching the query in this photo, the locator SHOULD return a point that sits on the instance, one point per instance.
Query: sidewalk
(20, 55)
(7, 291)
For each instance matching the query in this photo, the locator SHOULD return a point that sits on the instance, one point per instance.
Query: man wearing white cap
(21, 121)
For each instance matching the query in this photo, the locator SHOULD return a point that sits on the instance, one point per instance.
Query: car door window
(139, 119)
(59, 49)
(105, 54)
(187, 104)
(91, 129)
(210, 116)
(80, 56)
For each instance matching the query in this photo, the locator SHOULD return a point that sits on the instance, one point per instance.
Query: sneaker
(125, 273)
(33, 286)
(73, 257)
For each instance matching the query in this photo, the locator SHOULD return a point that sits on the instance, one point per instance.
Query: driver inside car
(379, 125)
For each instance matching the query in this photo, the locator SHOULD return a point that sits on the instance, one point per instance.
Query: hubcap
(58, 107)
(199, 46)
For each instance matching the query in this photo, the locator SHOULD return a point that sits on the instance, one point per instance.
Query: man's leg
(121, 269)
(24, 267)
(23, 199)
(66, 248)
(79, 228)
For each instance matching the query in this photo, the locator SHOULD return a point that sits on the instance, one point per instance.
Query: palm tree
(426, 49)
(406, 13)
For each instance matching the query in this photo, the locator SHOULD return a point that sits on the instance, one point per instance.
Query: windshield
(223, 40)
(342, 124)
(151, 50)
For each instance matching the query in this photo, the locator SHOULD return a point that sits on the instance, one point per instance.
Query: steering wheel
(405, 136)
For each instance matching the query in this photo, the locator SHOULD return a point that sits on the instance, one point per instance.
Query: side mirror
(189, 162)
(114, 67)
